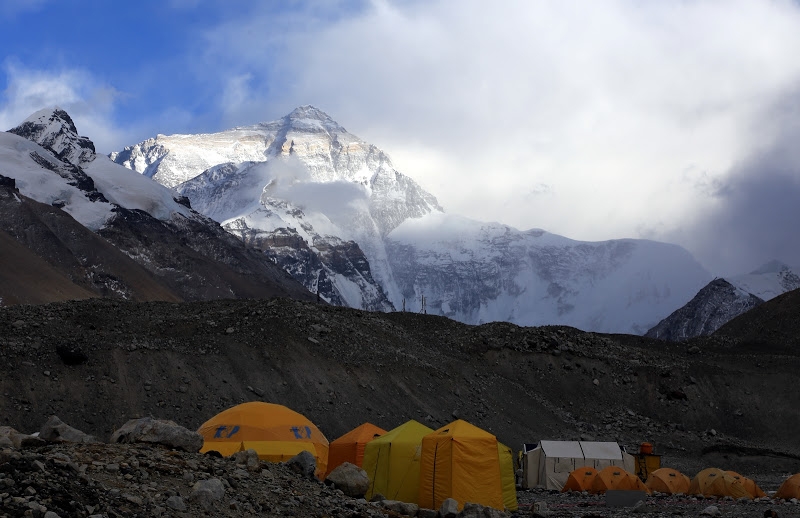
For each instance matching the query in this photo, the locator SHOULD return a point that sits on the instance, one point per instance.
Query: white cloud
(88, 101)
(625, 110)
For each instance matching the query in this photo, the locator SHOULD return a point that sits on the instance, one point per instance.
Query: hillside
(707, 401)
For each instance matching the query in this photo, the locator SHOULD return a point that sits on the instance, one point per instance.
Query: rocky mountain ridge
(97, 229)
(305, 182)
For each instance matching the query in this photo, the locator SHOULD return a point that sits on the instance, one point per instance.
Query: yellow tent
(580, 479)
(790, 488)
(350, 446)
(462, 461)
(276, 432)
(668, 480)
(507, 476)
(715, 482)
(614, 477)
(392, 462)
(748, 483)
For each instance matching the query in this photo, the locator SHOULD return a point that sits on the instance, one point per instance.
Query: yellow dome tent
(350, 446)
(275, 432)
(790, 488)
(392, 462)
(580, 479)
(715, 482)
(463, 462)
(749, 484)
(614, 477)
(669, 481)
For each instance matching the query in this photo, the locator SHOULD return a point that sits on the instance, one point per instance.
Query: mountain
(724, 299)
(98, 229)
(335, 213)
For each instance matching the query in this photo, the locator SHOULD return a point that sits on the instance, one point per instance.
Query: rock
(158, 431)
(711, 510)
(472, 510)
(55, 430)
(404, 508)
(427, 513)
(206, 492)
(248, 458)
(176, 502)
(352, 480)
(303, 463)
(11, 438)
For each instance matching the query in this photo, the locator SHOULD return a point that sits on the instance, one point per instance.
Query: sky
(671, 120)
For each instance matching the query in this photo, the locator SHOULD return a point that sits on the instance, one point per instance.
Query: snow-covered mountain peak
(53, 129)
(773, 266)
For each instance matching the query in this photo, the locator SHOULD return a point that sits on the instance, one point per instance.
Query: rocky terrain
(726, 401)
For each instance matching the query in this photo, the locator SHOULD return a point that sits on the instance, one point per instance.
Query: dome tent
(350, 446)
(392, 462)
(790, 488)
(614, 477)
(669, 481)
(466, 463)
(749, 484)
(580, 479)
(274, 431)
(715, 482)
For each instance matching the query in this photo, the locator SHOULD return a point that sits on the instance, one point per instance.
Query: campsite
(704, 404)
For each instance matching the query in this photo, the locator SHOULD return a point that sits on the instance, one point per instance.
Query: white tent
(549, 464)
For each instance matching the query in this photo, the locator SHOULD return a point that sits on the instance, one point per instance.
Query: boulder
(158, 431)
(350, 479)
(449, 508)
(206, 492)
(55, 430)
(11, 438)
(249, 459)
(303, 464)
(404, 508)
(472, 510)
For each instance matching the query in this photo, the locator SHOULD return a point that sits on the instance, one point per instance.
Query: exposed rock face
(97, 229)
(713, 306)
(320, 197)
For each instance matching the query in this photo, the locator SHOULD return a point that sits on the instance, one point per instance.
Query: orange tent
(715, 482)
(790, 488)
(668, 480)
(614, 477)
(580, 479)
(350, 446)
(749, 484)
(276, 432)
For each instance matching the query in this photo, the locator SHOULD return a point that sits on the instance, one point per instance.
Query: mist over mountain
(333, 211)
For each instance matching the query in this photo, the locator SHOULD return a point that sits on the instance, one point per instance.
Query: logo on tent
(299, 432)
(223, 428)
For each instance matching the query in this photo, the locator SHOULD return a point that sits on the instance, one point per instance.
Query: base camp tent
(580, 479)
(668, 481)
(463, 462)
(549, 464)
(749, 484)
(790, 488)
(616, 478)
(392, 462)
(715, 482)
(275, 432)
(350, 446)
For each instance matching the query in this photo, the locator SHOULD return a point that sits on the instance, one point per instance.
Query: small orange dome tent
(715, 482)
(350, 446)
(614, 477)
(275, 432)
(669, 481)
(580, 479)
(749, 484)
(790, 488)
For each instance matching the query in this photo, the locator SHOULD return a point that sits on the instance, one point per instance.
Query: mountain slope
(332, 210)
(131, 237)
(724, 299)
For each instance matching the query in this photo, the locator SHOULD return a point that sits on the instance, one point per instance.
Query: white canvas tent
(549, 464)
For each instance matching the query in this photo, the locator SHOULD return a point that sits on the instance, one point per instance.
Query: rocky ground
(98, 363)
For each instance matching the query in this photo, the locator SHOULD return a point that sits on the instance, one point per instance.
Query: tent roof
(601, 450)
(561, 448)
(363, 433)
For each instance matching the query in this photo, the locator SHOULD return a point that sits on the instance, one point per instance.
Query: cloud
(621, 108)
(89, 102)
(751, 216)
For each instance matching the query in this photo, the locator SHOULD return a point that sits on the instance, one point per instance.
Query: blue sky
(672, 120)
